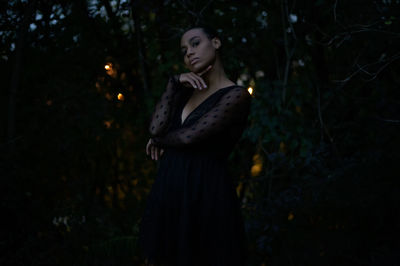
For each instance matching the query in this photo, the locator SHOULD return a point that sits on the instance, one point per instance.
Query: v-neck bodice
(214, 124)
(205, 101)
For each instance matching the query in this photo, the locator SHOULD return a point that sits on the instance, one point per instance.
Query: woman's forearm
(163, 111)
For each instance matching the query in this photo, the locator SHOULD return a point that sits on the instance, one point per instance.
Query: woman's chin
(198, 68)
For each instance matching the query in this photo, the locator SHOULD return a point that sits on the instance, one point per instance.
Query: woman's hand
(153, 150)
(194, 80)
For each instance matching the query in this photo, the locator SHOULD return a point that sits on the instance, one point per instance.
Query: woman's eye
(194, 44)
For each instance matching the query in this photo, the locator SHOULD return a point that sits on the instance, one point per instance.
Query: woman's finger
(200, 79)
(196, 79)
(203, 83)
(186, 80)
(191, 79)
(147, 147)
(152, 152)
(193, 83)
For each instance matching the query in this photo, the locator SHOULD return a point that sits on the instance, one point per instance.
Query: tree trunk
(141, 51)
(17, 67)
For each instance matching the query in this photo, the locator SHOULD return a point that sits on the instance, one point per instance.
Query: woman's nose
(189, 51)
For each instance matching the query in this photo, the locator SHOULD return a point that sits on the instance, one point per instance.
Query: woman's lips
(194, 60)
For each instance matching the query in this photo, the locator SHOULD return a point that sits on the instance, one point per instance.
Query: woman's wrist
(176, 78)
(154, 140)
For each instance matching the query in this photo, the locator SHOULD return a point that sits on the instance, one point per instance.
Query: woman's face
(198, 51)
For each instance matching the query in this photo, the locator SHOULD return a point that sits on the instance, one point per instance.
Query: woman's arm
(163, 110)
(233, 107)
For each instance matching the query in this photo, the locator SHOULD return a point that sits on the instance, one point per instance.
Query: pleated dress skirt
(192, 214)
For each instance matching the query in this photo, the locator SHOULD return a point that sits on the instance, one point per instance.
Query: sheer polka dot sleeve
(232, 107)
(163, 110)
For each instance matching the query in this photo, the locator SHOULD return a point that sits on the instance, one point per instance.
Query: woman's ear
(216, 43)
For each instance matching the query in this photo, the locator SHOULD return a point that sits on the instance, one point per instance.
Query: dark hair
(209, 31)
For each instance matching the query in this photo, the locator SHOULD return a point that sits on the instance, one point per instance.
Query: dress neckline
(198, 106)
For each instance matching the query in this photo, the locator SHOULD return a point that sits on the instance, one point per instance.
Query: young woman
(192, 216)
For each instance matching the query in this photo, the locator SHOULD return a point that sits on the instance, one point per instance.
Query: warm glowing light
(256, 169)
(121, 97)
(111, 69)
(257, 165)
(108, 96)
(107, 123)
(239, 188)
(290, 216)
(250, 90)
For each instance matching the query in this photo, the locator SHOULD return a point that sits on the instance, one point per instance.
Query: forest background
(316, 170)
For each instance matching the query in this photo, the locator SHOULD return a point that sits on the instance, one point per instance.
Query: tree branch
(334, 10)
(373, 75)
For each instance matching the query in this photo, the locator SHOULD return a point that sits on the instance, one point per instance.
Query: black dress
(192, 215)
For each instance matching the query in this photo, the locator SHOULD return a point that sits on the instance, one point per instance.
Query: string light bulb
(250, 90)
(120, 97)
(111, 69)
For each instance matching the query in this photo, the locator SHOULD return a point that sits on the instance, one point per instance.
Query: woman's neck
(216, 77)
